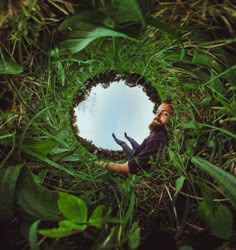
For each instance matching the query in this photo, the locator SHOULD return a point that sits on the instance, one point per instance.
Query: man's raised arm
(115, 167)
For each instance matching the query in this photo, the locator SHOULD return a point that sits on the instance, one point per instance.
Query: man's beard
(154, 127)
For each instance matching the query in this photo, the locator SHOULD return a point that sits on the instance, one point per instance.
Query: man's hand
(103, 164)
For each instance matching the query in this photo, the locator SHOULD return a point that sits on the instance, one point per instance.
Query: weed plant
(185, 56)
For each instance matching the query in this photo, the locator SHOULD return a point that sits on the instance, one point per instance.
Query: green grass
(195, 67)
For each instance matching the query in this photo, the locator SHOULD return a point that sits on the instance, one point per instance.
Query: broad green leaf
(34, 199)
(134, 236)
(123, 11)
(218, 217)
(97, 218)
(225, 179)
(222, 225)
(8, 180)
(32, 238)
(78, 40)
(8, 65)
(179, 183)
(42, 147)
(73, 208)
(85, 20)
(65, 228)
(205, 210)
(97, 32)
(72, 46)
(86, 27)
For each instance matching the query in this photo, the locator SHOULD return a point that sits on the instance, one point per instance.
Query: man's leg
(126, 148)
(133, 143)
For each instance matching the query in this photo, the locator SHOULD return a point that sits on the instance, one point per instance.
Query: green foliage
(73, 208)
(75, 211)
(119, 10)
(33, 237)
(179, 183)
(186, 51)
(8, 181)
(8, 65)
(86, 27)
(226, 180)
(19, 188)
(66, 228)
(217, 216)
(134, 236)
(114, 19)
(97, 219)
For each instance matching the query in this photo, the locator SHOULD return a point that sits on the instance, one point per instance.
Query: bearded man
(140, 155)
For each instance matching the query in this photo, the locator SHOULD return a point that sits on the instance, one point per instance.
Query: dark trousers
(128, 150)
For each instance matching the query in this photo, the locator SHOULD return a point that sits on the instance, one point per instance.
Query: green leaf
(32, 238)
(78, 40)
(97, 32)
(65, 228)
(226, 180)
(179, 183)
(34, 199)
(205, 210)
(8, 65)
(8, 180)
(73, 208)
(96, 219)
(120, 12)
(218, 217)
(86, 20)
(130, 211)
(42, 147)
(222, 225)
(86, 27)
(134, 236)
(72, 46)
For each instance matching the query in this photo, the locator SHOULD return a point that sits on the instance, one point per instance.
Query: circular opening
(113, 103)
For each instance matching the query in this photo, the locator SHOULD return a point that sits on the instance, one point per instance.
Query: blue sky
(116, 109)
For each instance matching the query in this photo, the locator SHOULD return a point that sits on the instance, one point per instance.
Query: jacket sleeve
(141, 161)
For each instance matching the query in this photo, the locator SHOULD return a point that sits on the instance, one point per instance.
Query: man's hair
(168, 101)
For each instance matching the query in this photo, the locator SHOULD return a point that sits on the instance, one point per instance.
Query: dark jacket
(151, 147)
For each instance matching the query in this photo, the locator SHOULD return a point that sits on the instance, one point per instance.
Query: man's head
(162, 116)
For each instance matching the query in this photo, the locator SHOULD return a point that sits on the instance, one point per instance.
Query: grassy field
(53, 196)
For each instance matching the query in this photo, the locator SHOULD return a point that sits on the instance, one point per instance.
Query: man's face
(163, 114)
